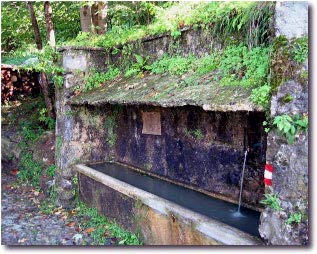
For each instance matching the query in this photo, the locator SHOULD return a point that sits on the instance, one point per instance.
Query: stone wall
(70, 150)
(83, 134)
(72, 145)
(194, 147)
(290, 162)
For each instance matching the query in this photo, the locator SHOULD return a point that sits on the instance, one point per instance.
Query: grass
(103, 227)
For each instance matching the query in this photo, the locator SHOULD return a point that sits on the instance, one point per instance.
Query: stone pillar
(70, 147)
(290, 161)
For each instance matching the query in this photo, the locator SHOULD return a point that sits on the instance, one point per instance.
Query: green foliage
(240, 66)
(287, 59)
(286, 99)
(100, 224)
(176, 65)
(138, 67)
(197, 134)
(16, 27)
(111, 124)
(47, 61)
(48, 121)
(250, 21)
(207, 63)
(96, 79)
(30, 170)
(271, 200)
(59, 143)
(261, 96)
(50, 171)
(294, 218)
(300, 49)
(289, 126)
(30, 134)
(266, 125)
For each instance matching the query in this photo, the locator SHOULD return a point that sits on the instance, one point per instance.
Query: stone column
(70, 145)
(290, 161)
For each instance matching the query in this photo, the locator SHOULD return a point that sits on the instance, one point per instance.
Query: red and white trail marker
(268, 174)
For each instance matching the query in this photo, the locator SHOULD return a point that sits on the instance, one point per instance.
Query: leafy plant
(289, 126)
(110, 124)
(240, 66)
(300, 49)
(48, 121)
(99, 226)
(30, 170)
(95, 79)
(139, 66)
(50, 171)
(197, 134)
(271, 200)
(207, 63)
(294, 218)
(261, 96)
(49, 63)
(176, 65)
(266, 126)
(287, 98)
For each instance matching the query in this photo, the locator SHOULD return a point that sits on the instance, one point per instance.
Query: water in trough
(214, 208)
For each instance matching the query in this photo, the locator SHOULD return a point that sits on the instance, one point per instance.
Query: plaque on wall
(151, 123)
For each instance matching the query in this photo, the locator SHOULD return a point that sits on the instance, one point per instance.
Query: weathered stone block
(298, 99)
(291, 19)
(74, 62)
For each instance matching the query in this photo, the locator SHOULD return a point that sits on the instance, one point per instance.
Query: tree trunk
(35, 26)
(45, 90)
(102, 16)
(85, 18)
(94, 17)
(49, 24)
(51, 40)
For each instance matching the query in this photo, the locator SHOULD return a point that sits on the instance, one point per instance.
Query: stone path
(23, 222)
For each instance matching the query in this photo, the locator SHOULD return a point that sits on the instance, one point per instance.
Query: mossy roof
(169, 91)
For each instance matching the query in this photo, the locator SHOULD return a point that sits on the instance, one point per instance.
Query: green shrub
(30, 170)
(261, 96)
(95, 79)
(271, 200)
(176, 65)
(138, 67)
(48, 121)
(50, 171)
(294, 218)
(243, 67)
(289, 126)
(300, 49)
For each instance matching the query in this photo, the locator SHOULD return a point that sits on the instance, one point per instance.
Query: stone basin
(163, 213)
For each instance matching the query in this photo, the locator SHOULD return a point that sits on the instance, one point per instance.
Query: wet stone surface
(24, 223)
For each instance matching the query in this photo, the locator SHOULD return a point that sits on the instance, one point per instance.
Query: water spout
(241, 183)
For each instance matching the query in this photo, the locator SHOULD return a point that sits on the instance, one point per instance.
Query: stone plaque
(151, 123)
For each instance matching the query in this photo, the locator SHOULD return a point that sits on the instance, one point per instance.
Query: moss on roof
(169, 91)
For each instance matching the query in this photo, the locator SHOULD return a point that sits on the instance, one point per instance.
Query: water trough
(163, 213)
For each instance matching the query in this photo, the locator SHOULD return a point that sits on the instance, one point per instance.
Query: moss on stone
(286, 99)
(287, 59)
(169, 91)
